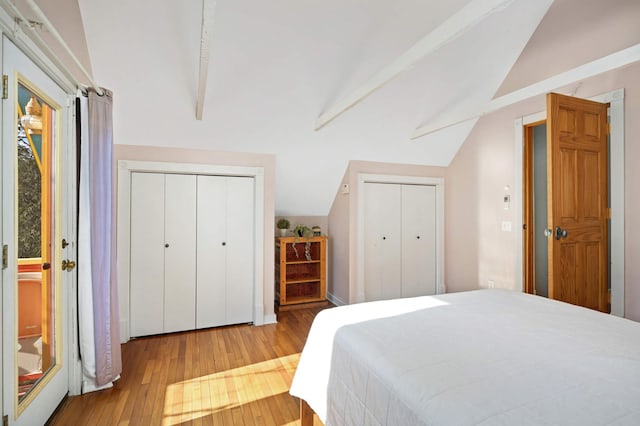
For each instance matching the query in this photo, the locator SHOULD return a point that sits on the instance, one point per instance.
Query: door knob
(68, 265)
(561, 233)
(548, 232)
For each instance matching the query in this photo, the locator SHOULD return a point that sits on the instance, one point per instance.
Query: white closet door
(382, 228)
(418, 240)
(147, 254)
(240, 249)
(211, 251)
(180, 252)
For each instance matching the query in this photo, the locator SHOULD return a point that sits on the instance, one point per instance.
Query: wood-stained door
(577, 138)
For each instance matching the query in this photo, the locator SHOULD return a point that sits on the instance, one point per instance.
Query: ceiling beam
(455, 26)
(208, 7)
(590, 69)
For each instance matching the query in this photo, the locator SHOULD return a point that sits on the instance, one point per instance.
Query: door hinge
(5, 256)
(5, 86)
(5, 420)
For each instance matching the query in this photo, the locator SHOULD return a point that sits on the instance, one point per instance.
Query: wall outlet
(491, 284)
(506, 226)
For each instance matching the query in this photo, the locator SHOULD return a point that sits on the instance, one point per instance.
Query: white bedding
(483, 357)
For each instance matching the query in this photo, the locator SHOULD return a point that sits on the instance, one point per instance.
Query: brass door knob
(68, 265)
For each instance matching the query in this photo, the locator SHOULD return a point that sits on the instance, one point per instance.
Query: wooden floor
(237, 375)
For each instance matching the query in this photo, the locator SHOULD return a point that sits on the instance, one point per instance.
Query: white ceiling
(276, 65)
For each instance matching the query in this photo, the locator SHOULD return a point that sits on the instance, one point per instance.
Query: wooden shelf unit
(300, 271)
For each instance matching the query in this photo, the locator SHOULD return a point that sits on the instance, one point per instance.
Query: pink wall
(338, 283)
(309, 221)
(179, 155)
(476, 248)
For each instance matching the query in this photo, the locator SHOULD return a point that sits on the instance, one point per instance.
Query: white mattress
(488, 357)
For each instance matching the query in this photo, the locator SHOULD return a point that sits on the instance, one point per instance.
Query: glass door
(35, 288)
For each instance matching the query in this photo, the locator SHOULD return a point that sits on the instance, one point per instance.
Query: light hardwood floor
(237, 375)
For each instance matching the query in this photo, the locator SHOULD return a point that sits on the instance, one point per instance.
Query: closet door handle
(224, 243)
(418, 237)
(166, 245)
(384, 238)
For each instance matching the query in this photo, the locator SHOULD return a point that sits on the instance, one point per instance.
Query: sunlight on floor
(205, 395)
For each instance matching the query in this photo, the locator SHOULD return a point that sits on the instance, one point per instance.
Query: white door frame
(357, 292)
(616, 175)
(125, 168)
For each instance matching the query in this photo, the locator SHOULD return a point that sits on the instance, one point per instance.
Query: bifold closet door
(225, 250)
(147, 254)
(163, 262)
(418, 240)
(383, 243)
(180, 252)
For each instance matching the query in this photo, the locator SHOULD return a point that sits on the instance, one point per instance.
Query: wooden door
(577, 137)
(418, 240)
(179, 252)
(147, 254)
(383, 241)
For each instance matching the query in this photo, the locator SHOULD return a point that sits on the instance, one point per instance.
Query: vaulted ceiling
(276, 66)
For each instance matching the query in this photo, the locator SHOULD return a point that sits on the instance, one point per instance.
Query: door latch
(5, 256)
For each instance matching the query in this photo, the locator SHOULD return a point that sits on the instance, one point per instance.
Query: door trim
(357, 291)
(616, 166)
(125, 168)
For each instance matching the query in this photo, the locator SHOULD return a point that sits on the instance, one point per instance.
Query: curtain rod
(51, 28)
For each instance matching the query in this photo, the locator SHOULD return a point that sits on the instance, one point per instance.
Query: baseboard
(270, 319)
(124, 331)
(335, 300)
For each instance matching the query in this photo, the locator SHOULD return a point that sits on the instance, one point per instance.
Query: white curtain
(97, 285)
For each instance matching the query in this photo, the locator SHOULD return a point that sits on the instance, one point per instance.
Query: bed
(483, 357)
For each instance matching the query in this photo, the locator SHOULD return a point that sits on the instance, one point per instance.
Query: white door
(240, 249)
(211, 293)
(147, 254)
(38, 211)
(418, 240)
(383, 241)
(180, 253)
(226, 246)
(400, 240)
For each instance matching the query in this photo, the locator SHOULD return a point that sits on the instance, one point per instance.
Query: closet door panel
(147, 254)
(211, 253)
(180, 252)
(382, 241)
(418, 240)
(240, 249)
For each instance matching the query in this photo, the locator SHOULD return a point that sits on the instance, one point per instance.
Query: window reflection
(35, 282)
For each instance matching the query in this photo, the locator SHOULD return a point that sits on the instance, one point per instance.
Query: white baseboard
(124, 331)
(270, 319)
(336, 300)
